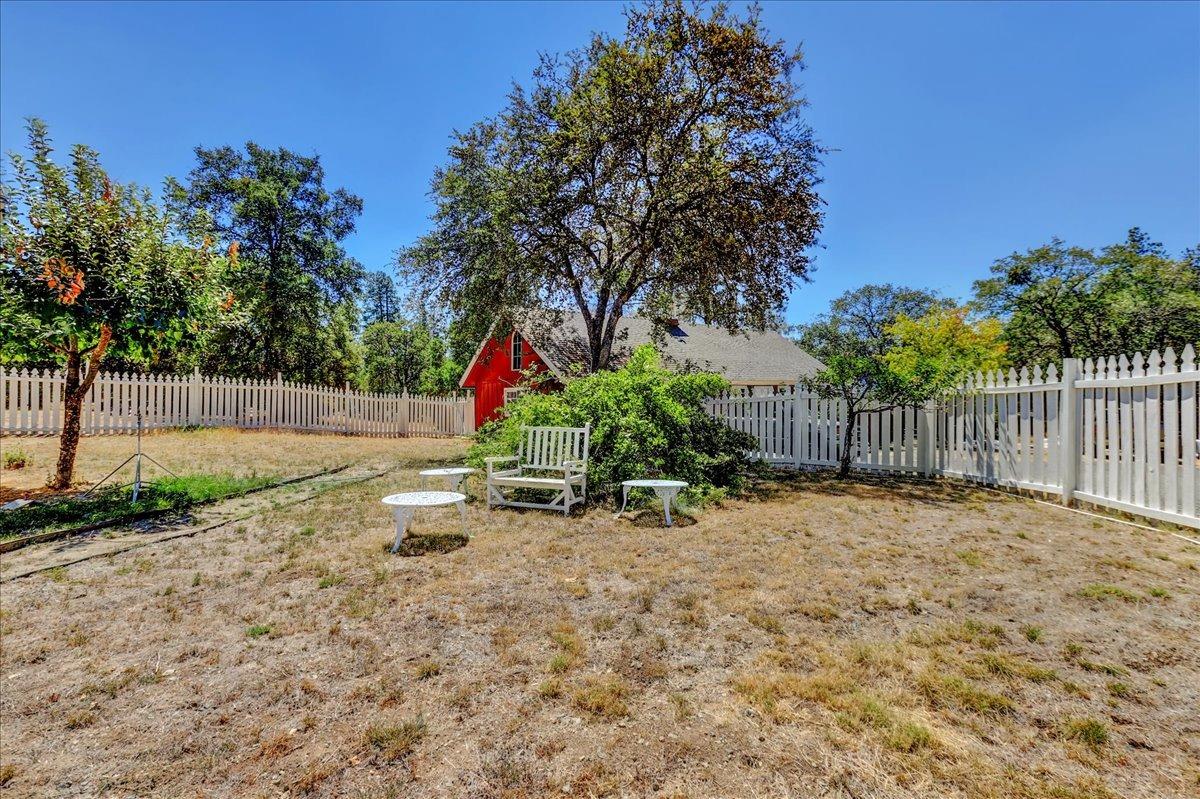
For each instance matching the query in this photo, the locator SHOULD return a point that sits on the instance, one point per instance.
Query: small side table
(665, 489)
(454, 476)
(403, 505)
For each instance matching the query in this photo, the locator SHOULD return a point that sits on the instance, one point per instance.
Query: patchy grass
(393, 742)
(426, 669)
(813, 638)
(1088, 731)
(602, 697)
(970, 557)
(109, 504)
(15, 458)
(1104, 591)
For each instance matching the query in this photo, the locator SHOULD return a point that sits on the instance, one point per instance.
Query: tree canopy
(293, 277)
(935, 352)
(853, 340)
(405, 356)
(667, 172)
(1058, 301)
(90, 267)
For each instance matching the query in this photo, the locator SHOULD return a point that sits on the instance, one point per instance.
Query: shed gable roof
(560, 338)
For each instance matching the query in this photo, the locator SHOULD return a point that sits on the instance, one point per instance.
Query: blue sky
(961, 132)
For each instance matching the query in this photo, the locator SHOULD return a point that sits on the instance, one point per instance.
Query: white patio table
(665, 489)
(454, 475)
(403, 505)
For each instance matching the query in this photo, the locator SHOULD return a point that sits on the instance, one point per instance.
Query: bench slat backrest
(549, 447)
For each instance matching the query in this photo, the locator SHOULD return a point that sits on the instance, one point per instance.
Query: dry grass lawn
(815, 639)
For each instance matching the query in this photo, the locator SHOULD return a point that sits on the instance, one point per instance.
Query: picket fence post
(926, 424)
(1068, 426)
(194, 399)
(799, 425)
(405, 404)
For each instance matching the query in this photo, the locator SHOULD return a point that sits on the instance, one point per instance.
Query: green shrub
(646, 421)
(16, 459)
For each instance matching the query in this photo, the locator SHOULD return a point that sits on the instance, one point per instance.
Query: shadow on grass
(416, 545)
(773, 484)
(651, 518)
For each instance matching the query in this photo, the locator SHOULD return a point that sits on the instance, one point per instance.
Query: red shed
(554, 344)
(496, 370)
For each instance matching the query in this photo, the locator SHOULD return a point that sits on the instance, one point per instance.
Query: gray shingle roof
(748, 357)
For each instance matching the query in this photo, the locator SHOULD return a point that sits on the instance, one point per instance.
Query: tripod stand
(137, 466)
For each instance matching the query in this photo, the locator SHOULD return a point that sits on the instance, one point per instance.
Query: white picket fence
(1119, 432)
(31, 404)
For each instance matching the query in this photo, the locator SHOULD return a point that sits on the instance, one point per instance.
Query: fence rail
(1119, 432)
(31, 404)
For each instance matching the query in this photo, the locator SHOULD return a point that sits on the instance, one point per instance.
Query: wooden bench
(548, 459)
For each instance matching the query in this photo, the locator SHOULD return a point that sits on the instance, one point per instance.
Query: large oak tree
(667, 172)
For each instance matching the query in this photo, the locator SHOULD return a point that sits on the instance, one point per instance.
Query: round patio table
(403, 505)
(665, 489)
(454, 475)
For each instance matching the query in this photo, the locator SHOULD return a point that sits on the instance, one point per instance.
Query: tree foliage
(667, 171)
(91, 267)
(646, 421)
(938, 350)
(293, 276)
(1062, 302)
(853, 340)
(380, 300)
(405, 356)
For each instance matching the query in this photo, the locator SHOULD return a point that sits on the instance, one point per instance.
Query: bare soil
(815, 638)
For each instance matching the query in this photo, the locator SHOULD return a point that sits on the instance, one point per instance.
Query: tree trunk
(76, 388)
(847, 437)
(68, 440)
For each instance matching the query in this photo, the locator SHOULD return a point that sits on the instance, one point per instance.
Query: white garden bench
(548, 458)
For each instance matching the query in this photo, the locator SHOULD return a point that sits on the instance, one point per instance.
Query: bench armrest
(494, 459)
(575, 467)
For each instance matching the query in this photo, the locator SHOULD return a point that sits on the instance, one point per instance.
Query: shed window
(516, 351)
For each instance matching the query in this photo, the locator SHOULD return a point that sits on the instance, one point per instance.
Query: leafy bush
(16, 459)
(646, 421)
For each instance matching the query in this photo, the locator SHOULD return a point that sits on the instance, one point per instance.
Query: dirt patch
(818, 639)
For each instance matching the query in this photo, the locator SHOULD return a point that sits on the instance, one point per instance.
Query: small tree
(91, 267)
(853, 340)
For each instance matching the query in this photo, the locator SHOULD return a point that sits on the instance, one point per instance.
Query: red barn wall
(492, 372)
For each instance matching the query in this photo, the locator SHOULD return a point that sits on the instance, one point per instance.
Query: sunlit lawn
(812, 639)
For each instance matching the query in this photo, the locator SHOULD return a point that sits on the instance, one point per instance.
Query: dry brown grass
(816, 639)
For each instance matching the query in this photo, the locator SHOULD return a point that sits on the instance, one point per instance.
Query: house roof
(766, 357)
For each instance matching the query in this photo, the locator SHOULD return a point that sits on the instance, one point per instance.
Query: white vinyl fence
(31, 404)
(1119, 432)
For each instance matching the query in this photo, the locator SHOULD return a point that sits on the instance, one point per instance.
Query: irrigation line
(13, 544)
(1093, 515)
(324, 488)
